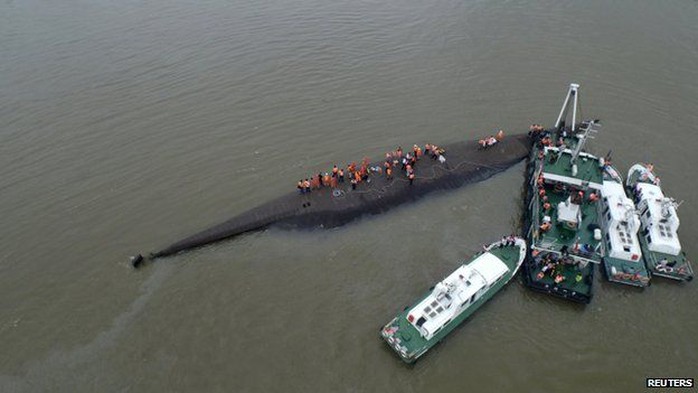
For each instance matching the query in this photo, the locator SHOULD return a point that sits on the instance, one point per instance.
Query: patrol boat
(622, 261)
(561, 224)
(451, 301)
(659, 225)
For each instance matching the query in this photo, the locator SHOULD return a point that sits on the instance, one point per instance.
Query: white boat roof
(623, 223)
(618, 202)
(445, 300)
(662, 221)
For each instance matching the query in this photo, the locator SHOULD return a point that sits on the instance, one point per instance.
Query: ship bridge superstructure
(456, 293)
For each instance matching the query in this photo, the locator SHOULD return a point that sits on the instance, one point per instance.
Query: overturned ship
(466, 162)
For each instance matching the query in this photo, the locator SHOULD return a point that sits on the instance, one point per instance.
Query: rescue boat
(562, 226)
(659, 225)
(451, 301)
(622, 261)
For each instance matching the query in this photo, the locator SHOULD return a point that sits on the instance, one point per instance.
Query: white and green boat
(622, 261)
(659, 225)
(454, 299)
(562, 226)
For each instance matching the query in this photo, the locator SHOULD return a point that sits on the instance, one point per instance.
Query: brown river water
(126, 125)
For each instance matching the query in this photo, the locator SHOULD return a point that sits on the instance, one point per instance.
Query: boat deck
(560, 235)
(681, 269)
(576, 283)
(626, 272)
(587, 168)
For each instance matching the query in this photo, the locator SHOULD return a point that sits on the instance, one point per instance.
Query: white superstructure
(459, 290)
(660, 222)
(621, 222)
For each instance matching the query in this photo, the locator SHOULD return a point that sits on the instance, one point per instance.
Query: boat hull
(327, 208)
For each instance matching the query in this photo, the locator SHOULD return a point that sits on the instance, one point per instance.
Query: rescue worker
(335, 171)
(300, 187)
(340, 175)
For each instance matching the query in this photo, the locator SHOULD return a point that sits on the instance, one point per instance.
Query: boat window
(465, 303)
(472, 298)
(664, 231)
(649, 239)
(608, 216)
(421, 321)
(624, 236)
(434, 303)
(432, 314)
(438, 310)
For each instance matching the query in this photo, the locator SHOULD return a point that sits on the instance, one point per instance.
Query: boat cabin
(621, 223)
(456, 293)
(569, 213)
(659, 220)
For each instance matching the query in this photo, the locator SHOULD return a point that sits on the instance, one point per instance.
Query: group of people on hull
(491, 140)
(357, 174)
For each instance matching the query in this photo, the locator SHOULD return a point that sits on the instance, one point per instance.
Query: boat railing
(574, 256)
(535, 219)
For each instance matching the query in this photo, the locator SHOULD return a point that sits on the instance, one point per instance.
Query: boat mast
(571, 93)
(592, 127)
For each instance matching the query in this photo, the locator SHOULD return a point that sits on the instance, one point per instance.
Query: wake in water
(66, 370)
